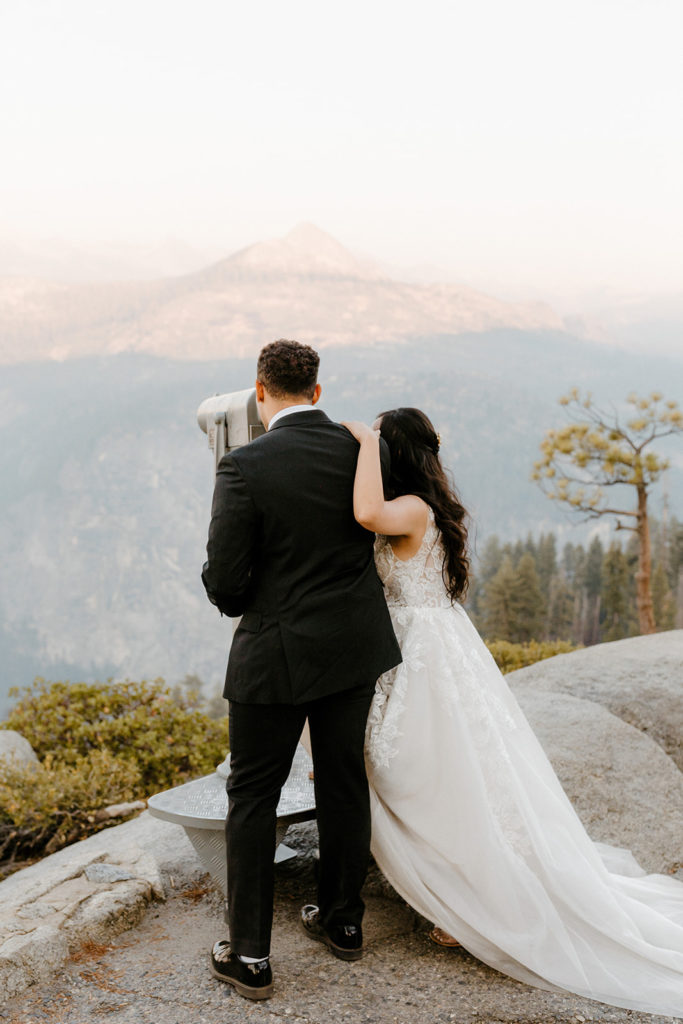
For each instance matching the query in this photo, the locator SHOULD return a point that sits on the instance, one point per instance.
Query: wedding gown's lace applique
(408, 584)
(382, 730)
(421, 612)
(465, 688)
(417, 582)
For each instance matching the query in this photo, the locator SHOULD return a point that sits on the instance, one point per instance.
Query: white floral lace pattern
(472, 827)
(383, 730)
(417, 581)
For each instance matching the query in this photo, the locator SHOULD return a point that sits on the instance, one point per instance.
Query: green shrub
(510, 656)
(45, 806)
(163, 735)
(98, 744)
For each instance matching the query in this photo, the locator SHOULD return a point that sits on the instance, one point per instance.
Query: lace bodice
(417, 581)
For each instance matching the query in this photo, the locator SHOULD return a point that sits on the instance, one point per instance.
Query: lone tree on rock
(593, 452)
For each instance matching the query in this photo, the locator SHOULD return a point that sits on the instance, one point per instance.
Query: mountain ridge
(305, 285)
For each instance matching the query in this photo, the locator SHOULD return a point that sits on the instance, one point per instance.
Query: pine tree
(675, 562)
(596, 450)
(518, 551)
(574, 560)
(567, 564)
(490, 561)
(530, 545)
(496, 603)
(527, 604)
(546, 562)
(675, 555)
(663, 602)
(560, 609)
(615, 596)
(486, 568)
(592, 584)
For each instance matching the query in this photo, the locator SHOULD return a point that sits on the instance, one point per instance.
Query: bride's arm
(402, 517)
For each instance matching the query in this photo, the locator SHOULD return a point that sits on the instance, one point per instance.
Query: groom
(286, 553)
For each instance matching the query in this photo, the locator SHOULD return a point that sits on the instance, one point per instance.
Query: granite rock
(87, 892)
(99, 872)
(16, 749)
(623, 786)
(26, 959)
(640, 680)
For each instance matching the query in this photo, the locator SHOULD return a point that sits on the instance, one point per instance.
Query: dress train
(473, 829)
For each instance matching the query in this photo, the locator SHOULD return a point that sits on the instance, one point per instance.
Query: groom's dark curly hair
(288, 368)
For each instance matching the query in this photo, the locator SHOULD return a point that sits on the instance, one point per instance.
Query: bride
(470, 823)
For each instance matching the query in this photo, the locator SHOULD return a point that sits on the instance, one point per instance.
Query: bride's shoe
(442, 938)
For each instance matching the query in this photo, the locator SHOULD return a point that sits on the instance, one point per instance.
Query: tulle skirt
(473, 829)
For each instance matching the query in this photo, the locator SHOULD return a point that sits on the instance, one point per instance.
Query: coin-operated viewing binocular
(229, 421)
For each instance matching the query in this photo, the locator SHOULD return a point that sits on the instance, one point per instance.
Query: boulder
(89, 891)
(30, 959)
(107, 873)
(640, 680)
(625, 789)
(16, 750)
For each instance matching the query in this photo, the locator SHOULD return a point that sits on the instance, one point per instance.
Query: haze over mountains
(305, 285)
(55, 259)
(106, 488)
(60, 300)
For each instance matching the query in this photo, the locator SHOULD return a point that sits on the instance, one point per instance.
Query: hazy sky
(532, 142)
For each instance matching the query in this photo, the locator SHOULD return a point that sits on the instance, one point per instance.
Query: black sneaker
(253, 981)
(345, 940)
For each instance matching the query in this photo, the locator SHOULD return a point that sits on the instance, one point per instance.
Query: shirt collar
(290, 409)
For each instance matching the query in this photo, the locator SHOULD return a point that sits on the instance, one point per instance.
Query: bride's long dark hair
(416, 469)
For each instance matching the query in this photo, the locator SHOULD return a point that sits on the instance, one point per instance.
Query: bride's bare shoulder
(408, 544)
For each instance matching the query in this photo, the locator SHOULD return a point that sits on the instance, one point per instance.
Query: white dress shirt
(290, 409)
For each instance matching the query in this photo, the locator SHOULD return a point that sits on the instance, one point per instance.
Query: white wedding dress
(472, 827)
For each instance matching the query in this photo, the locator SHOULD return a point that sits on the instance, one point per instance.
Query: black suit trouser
(263, 741)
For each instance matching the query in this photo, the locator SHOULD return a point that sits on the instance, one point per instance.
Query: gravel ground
(158, 973)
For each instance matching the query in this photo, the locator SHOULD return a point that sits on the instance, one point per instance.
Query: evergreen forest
(582, 594)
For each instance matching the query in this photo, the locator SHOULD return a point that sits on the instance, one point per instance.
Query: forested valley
(534, 589)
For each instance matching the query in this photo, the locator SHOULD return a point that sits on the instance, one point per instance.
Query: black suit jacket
(286, 553)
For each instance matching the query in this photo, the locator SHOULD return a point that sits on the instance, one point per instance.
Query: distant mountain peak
(307, 235)
(306, 285)
(306, 249)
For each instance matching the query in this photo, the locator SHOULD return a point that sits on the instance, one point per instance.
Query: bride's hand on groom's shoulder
(361, 431)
